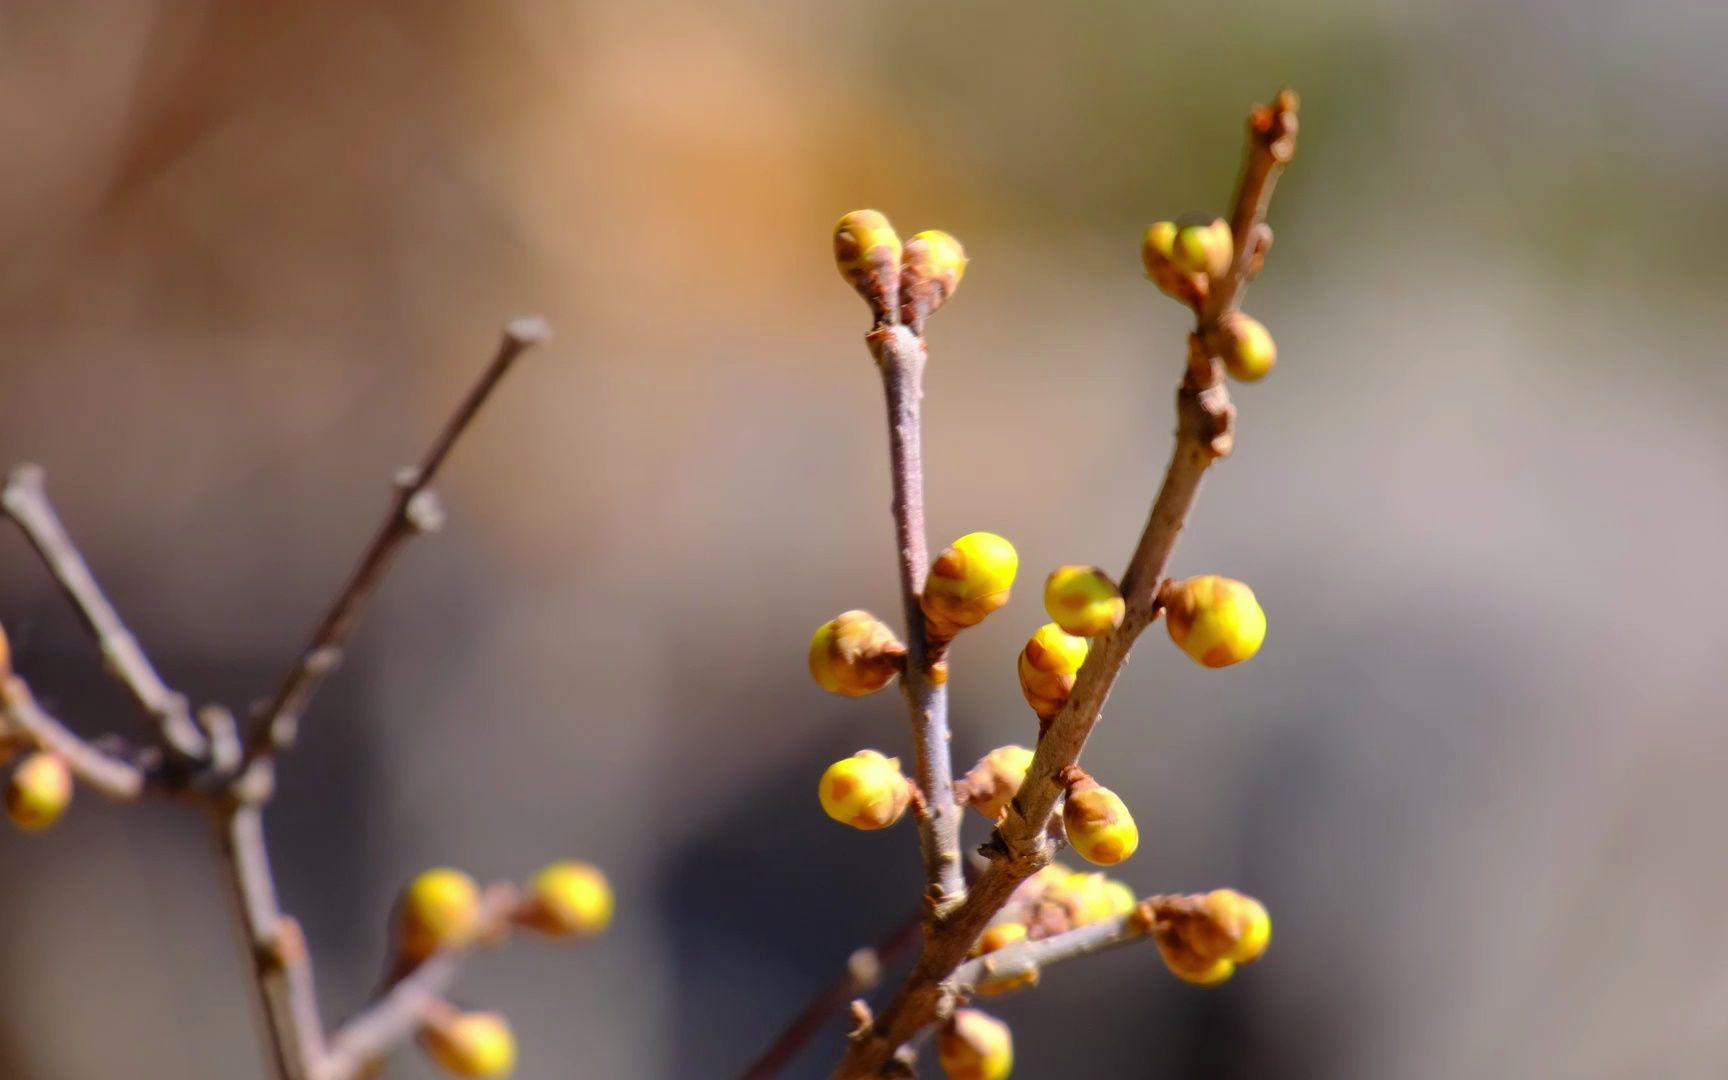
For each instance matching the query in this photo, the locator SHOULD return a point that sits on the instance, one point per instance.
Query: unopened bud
(440, 909)
(968, 581)
(476, 1044)
(867, 251)
(1099, 826)
(1247, 348)
(1049, 664)
(1203, 245)
(974, 1045)
(1231, 925)
(1215, 620)
(996, 779)
(866, 791)
(39, 792)
(1083, 601)
(854, 654)
(934, 264)
(568, 899)
(1190, 966)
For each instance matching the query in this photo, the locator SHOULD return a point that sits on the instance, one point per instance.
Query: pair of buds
(904, 283)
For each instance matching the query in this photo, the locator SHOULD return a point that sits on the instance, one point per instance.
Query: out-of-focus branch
(414, 510)
(110, 774)
(25, 501)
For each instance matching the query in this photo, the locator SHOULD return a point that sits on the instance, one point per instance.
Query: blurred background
(250, 254)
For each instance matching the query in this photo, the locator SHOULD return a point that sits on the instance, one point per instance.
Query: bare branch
(413, 511)
(25, 501)
(1025, 958)
(112, 775)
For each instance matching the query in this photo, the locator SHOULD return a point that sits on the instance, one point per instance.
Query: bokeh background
(250, 253)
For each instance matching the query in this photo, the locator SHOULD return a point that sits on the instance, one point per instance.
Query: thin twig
(414, 510)
(25, 501)
(107, 773)
(1028, 958)
(1204, 433)
(399, 1010)
(900, 354)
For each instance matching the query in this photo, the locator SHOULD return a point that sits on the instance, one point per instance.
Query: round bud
(1120, 897)
(867, 251)
(996, 779)
(1203, 246)
(568, 899)
(855, 654)
(998, 936)
(974, 1045)
(439, 909)
(471, 1044)
(1215, 620)
(934, 264)
(1247, 348)
(1190, 966)
(1099, 826)
(1233, 926)
(39, 792)
(968, 581)
(1083, 601)
(1155, 253)
(866, 791)
(1048, 666)
(1087, 898)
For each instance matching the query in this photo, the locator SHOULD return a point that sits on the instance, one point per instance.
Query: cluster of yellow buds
(1100, 828)
(994, 781)
(567, 899)
(971, 578)
(39, 791)
(866, 791)
(1057, 899)
(1049, 664)
(855, 654)
(907, 281)
(1202, 939)
(1083, 601)
(1183, 256)
(974, 1045)
(1215, 620)
(475, 1044)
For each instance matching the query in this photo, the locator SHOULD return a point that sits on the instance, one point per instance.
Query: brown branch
(110, 774)
(414, 510)
(901, 355)
(25, 500)
(1028, 958)
(1204, 433)
(395, 1015)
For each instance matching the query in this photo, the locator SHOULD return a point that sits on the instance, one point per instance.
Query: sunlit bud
(934, 264)
(1087, 898)
(1120, 897)
(39, 791)
(477, 1044)
(1247, 348)
(974, 1045)
(1231, 925)
(1100, 829)
(568, 899)
(999, 935)
(1202, 245)
(996, 779)
(1083, 601)
(854, 654)
(1048, 666)
(968, 581)
(438, 910)
(1190, 966)
(1155, 253)
(1215, 620)
(867, 251)
(865, 791)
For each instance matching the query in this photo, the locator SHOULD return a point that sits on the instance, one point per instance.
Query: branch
(414, 510)
(110, 774)
(900, 354)
(1029, 958)
(25, 500)
(400, 1010)
(1205, 420)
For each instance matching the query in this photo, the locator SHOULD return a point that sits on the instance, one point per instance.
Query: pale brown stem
(21, 717)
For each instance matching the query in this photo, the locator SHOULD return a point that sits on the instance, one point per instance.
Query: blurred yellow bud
(867, 251)
(1247, 348)
(934, 264)
(5, 655)
(39, 792)
(974, 1045)
(968, 581)
(998, 936)
(478, 1044)
(1190, 966)
(439, 909)
(1087, 898)
(1048, 665)
(568, 899)
(996, 779)
(1232, 925)
(1203, 245)
(1083, 601)
(1155, 253)
(865, 791)
(1100, 829)
(1215, 620)
(1120, 897)
(854, 654)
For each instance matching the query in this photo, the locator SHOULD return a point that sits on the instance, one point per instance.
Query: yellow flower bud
(1048, 666)
(854, 654)
(1190, 966)
(1215, 620)
(1120, 897)
(974, 1045)
(1087, 898)
(999, 936)
(1203, 245)
(865, 791)
(968, 581)
(1155, 253)
(996, 779)
(934, 264)
(1247, 348)
(1233, 926)
(568, 899)
(478, 1044)
(1083, 601)
(1100, 829)
(867, 251)
(39, 792)
(439, 909)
